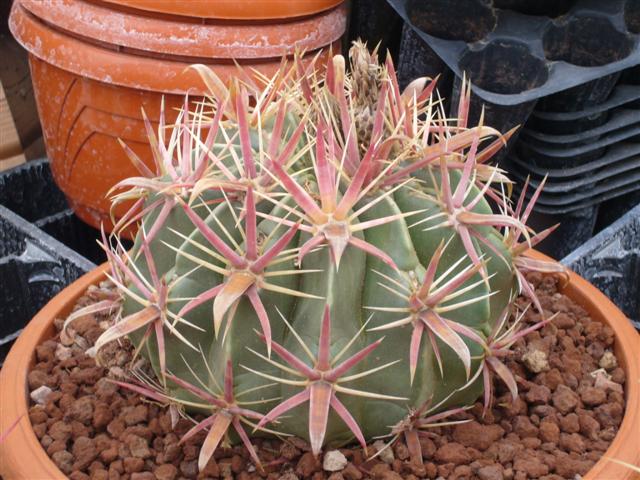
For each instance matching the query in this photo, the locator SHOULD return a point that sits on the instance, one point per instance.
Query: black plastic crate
(33, 268)
(611, 261)
(30, 192)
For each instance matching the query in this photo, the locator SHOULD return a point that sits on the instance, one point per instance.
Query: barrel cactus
(317, 256)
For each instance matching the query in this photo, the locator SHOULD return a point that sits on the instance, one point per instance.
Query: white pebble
(63, 353)
(535, 360)
(334, 461)
(40, 394)
(385, 451)
(608, 361)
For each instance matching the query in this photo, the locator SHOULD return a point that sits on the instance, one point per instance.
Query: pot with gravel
(317, 265)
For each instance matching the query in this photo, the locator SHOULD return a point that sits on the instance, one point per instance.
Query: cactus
(326, 252)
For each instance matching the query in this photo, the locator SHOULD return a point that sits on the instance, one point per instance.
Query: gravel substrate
(569, 409)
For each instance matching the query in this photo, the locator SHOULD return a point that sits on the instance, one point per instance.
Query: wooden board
(11, 153)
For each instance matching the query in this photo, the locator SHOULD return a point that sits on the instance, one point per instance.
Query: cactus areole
(317, 256)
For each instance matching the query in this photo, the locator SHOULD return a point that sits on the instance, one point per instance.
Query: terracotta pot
(22, 456)
(94, 68)
(232, 9)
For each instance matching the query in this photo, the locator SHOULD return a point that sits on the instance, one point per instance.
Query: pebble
(138, 446)
(478, 436)
(385, 452)
(608, 361)
(593, 396)
(549, 432)
(453, 453)
(536, 361)
(565, 399)
(63, 353)
(334, 460)
(38, 378)
(82, 410)
(63, 460)
(490, 472)
(40, 394)
(538, 395)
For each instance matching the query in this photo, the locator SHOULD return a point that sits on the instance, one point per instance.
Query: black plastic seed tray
(552, 191)
(550, 157)
(588, 179)
(577, 98)
(377, 24)
(600, 198)
(611, 261)
(514, 56)
(581, 214)
(615, 154)
(560, 209)
(619, 119)
(565, 123)
(33, 268)
(501, 117)
(30, 192)
(609, 188)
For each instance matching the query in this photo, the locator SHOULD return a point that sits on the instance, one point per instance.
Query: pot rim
(231, 9)
(187, 37)
(22, 442)
(128, 69)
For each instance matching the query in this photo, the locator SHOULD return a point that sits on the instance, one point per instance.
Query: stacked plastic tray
(589, 150)
(43, 247)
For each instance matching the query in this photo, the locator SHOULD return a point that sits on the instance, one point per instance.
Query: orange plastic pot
(232, 9)
(94, 68)
(22, 457)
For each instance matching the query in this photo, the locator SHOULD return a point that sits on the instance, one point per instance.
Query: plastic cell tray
(522, 55)
(613, 209)
(43, 246)
(613, 187)
(417, 59)
(513, 55)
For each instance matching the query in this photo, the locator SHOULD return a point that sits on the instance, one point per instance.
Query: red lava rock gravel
(569, 408)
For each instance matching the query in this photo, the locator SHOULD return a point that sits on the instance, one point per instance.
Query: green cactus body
(331, 300)
(349, 291)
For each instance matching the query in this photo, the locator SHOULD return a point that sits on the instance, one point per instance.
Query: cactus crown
(320, 246)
